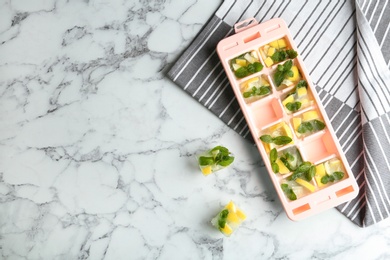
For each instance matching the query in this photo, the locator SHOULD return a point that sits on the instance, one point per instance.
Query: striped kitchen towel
(346, 47)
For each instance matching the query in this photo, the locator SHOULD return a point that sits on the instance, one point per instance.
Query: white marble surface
(97, 146)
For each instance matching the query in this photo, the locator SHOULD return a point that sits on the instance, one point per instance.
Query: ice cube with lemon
(276, 51)
(277, 135)
(308, 123)
(298, 98)
(245, 64)
(215, 159)
(255, 88)
(228, 219)
(329, 172)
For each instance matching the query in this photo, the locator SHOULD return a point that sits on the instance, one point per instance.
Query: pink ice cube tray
(298, 144)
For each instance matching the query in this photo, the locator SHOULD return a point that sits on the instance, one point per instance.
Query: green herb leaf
(275, 167)
(204, 161)
(273, 155)
(284, 187)
(279, 56)
(291, 54)
(293, 106)
(318, 125)
(251, 68)
(266, 139)
(305, 166)
(288, 191)
(292, 195)
(258, 66)
(247, 94)
(221, 149)
(281, 140)
(263, 90)
(222, 218)
(282, 72)
(287, 164)
(325, 179)
(241, 72)
(302, 170)
(310, 173)
(289, 156)
(305, 127)
(279, 77)
(302, 83)
(226, 161)
(338, 175)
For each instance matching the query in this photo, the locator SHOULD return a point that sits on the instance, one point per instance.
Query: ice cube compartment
(289, 108)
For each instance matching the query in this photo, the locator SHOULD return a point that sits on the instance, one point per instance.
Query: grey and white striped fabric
(346, 48)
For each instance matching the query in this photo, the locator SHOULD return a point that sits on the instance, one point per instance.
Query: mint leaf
(338, 175)
(241, 72)
(263, 90)
(222, 218)
(310, 173)
(288, 191)
(282, 72)
(291, 54)
(279, 56)
(221, 149)
(289, 156)
(281, 140)
(279, 77)
(275, 167)
(302, 83)
(318, 125)
(273, 155)
(293, 106)
(288, 65)
(226, 161)
(266, 139)
(325, 179)
(305, 166)
(204, 161)
(258, 66)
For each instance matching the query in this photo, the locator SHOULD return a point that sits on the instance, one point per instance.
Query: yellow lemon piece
(306, 184)
(282, 168)
(267, 148)
(274, 44)
(296, 122)
(245, 86)
(231, 207)
(276, 127)
(241, 62)
(268, 62)
(271, 51)
(310, 115)
(233, 218)
(282, 43)
(227, 230)
(302, 92)
(288, 100)
(287, 130)
(206, 170)
(241, 214)
(249, 81)
(320, 172)
(296, 75)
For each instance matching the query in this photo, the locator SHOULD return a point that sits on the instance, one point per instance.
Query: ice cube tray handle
(246, 24)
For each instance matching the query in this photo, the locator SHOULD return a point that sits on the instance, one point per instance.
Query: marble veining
(97, 146)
